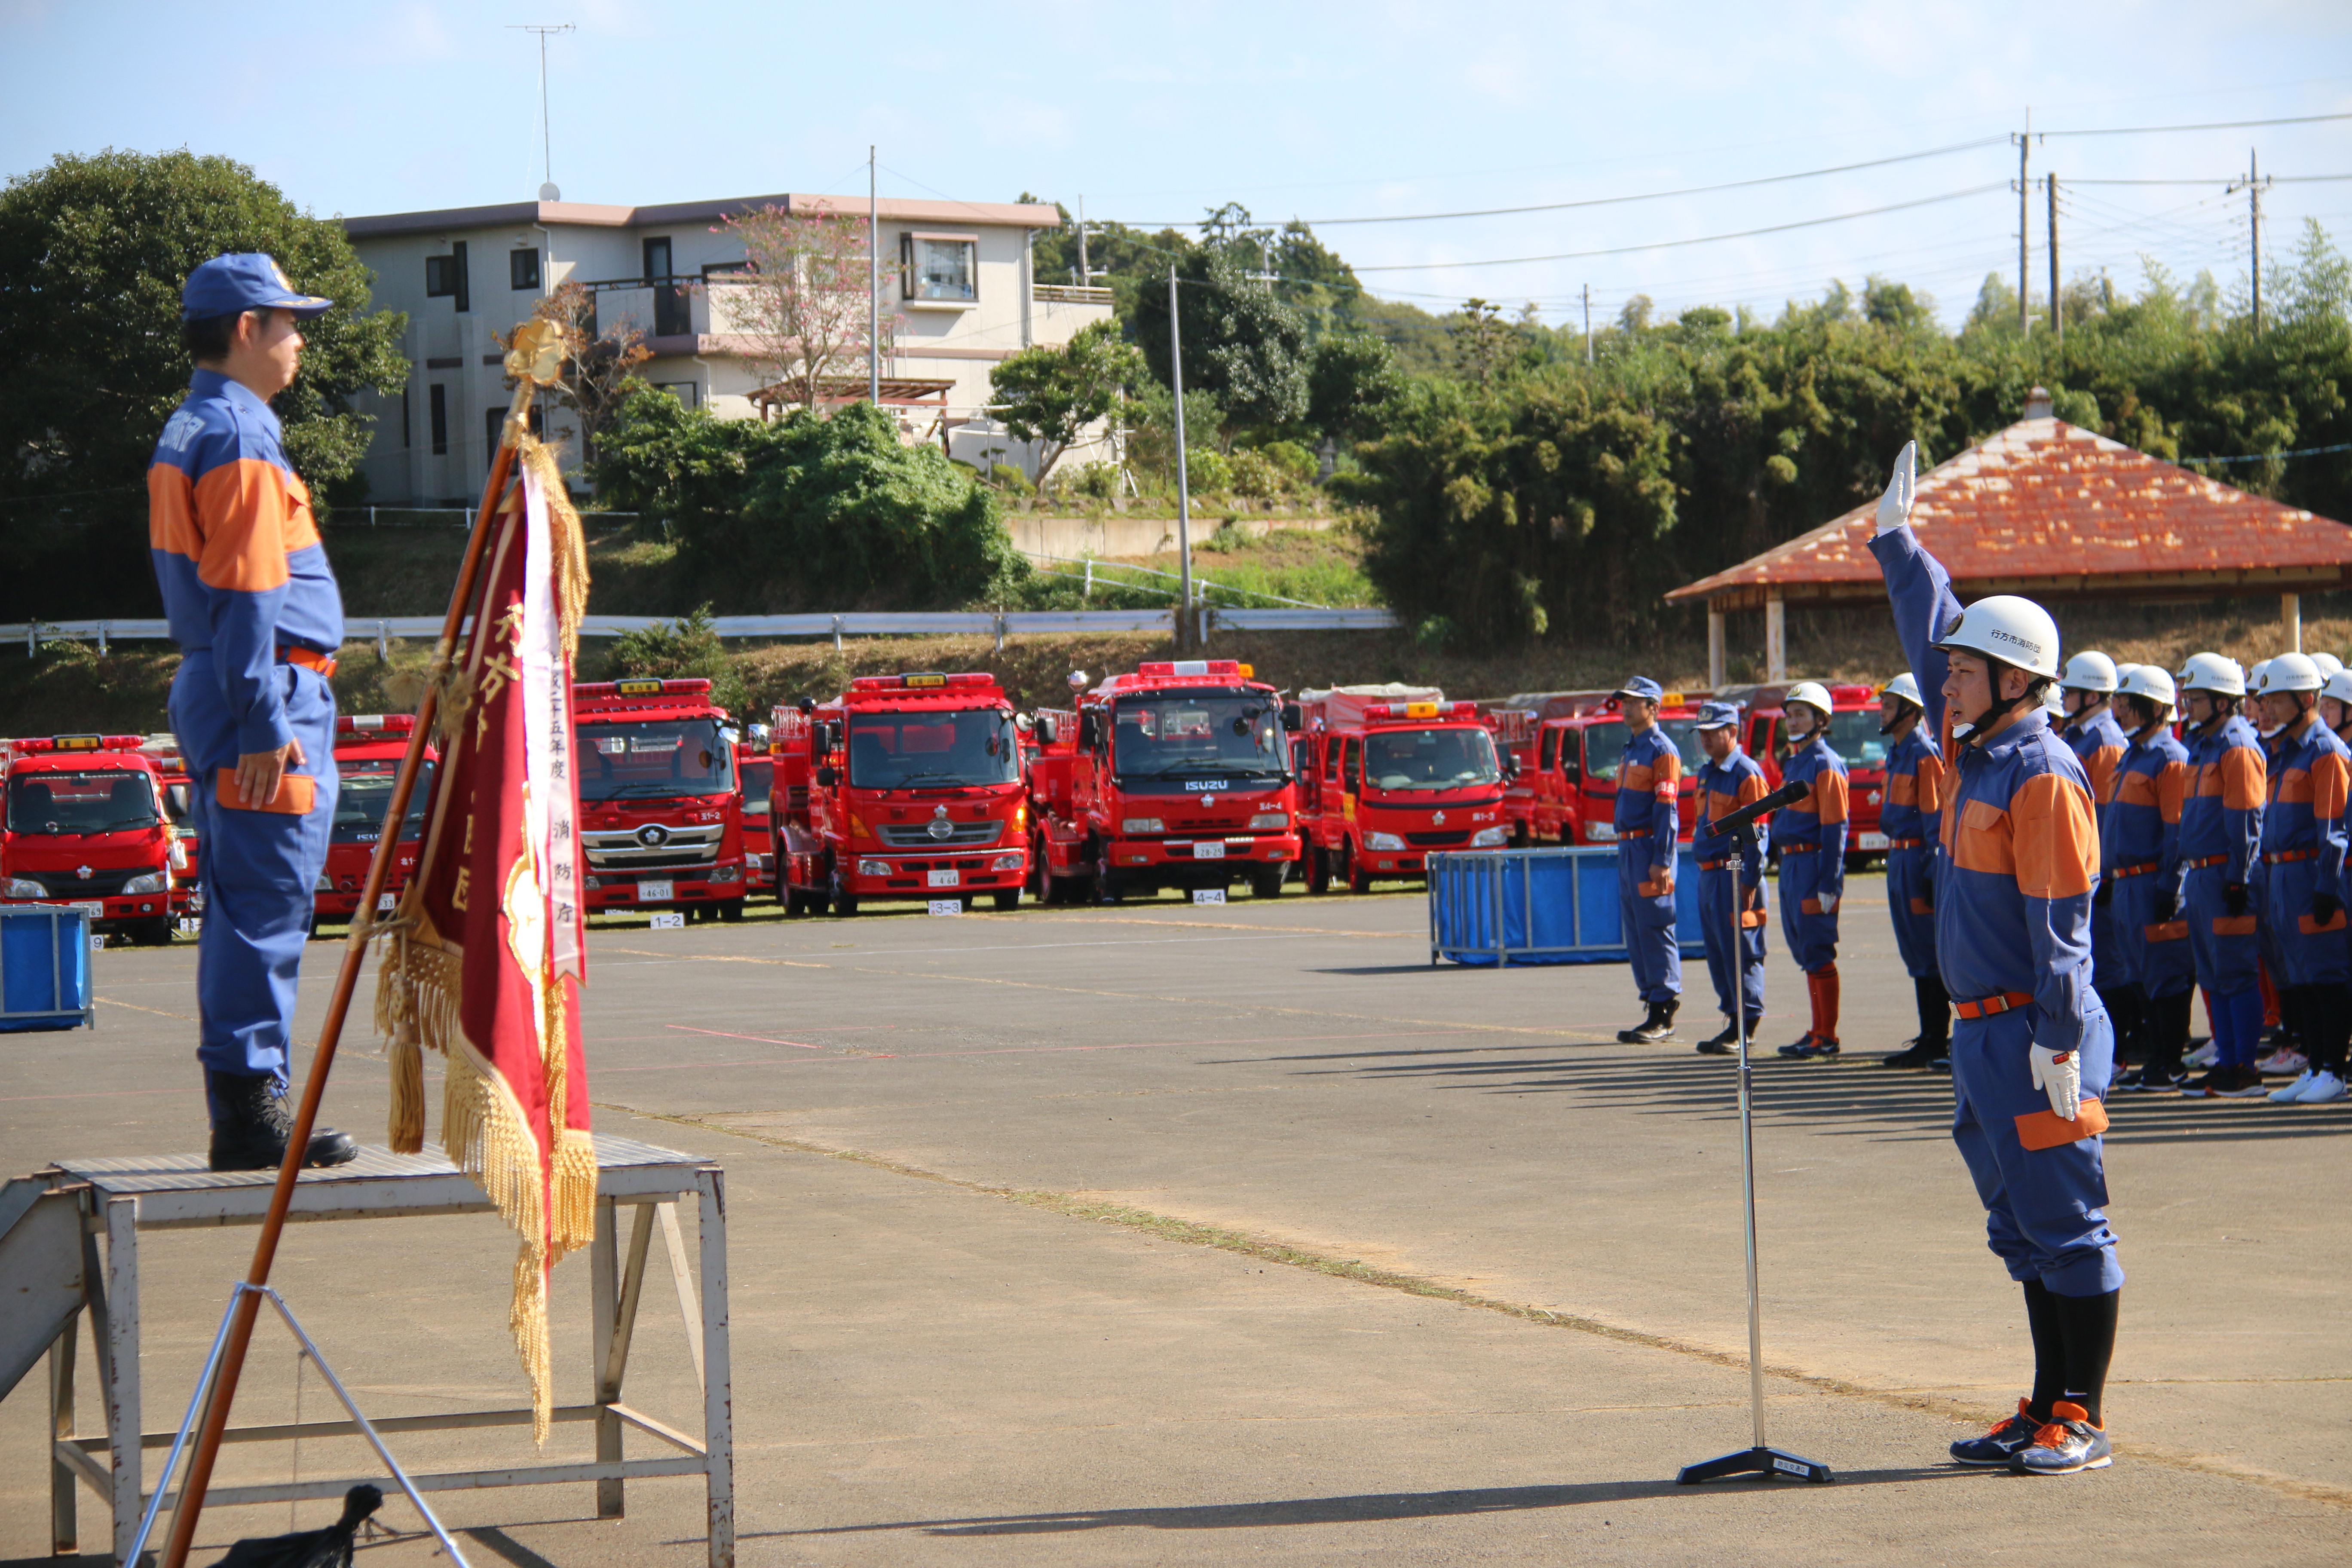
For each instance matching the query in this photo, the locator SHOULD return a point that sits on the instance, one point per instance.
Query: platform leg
(123, 1428)
(718, 1380)
(64, 1528)
(604, 1311)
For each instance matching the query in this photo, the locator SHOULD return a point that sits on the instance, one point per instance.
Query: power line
(2217, 125)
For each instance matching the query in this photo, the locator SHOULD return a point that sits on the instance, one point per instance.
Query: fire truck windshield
(759, 774)
(933, 750)
(652, 759)
(366, 791)
(1854, 736)
(1189, 732)
(115, 801)
(1430, 759)
(1605, 745)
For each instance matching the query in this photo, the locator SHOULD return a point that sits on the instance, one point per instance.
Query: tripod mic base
(1769, 1463)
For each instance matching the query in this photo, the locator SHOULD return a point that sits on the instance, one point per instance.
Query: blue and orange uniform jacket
(1723, 788)
(2020, 847)
(1649, 776)
(237, 551)
(2140, 821)
(2221, 810)
(2098, 745)
(1911, 804)
(1818, 822)
(2303, 819)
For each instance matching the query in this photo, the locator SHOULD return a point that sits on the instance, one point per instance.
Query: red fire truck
(85, 826)
(1386, 776)
(172, 776)
(1176, 775)
(757, 770)
(905, 786)
(663, 827)
(1571, 772)
(368, 749)
(1854, 735)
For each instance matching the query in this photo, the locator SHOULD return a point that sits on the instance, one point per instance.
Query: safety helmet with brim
(2213, 673)
(2148, 682)
(2290, 672)
(1905, 687)
(2016, 632)
(1812, 694)
(2340, 687)
(2089, 672)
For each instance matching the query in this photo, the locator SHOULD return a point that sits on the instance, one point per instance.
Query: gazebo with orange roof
(2050, 510)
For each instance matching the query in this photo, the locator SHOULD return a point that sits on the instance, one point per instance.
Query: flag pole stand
(535, 361)
(1760, 1458)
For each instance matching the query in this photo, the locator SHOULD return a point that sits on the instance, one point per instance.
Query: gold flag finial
(535, 353)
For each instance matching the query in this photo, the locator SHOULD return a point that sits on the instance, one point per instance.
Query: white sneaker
(2287, 1094)
(2282, 1062)
(2325, 1088)
(2204, 1055)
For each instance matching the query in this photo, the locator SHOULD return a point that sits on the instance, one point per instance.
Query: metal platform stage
(52, 1269)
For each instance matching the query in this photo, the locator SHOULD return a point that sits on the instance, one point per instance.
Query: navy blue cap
(1642, 685)
(1717, 715)
(248, 280)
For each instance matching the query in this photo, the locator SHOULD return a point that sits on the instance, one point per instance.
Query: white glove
(1902, 486)
(1828, 903)
(2060, 1074)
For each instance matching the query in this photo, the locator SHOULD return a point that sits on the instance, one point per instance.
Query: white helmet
(2148, 682)
(2089, 672)
(1905, 688)
(2340, 687)
(2328, 663)
(2212, 672)
(2053, 703)
(2015, 631)
(2289, 673)
(1810, 692)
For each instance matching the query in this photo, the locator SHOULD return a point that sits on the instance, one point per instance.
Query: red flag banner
(485, 956)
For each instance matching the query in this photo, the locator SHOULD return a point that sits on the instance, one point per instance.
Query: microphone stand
(1761, 1458)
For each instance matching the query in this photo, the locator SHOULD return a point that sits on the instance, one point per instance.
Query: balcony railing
(1065, 294)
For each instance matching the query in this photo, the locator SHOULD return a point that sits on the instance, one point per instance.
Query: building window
(673, 302)
(407, 425)
(687, 392)
(445, 277)
(938, 266)
(522, 268)
(440, 420)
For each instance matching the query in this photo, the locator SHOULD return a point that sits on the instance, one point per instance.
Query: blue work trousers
(2224, 946)
(1719, 905)
(1911, 904)
(2309, 955)
(1811, 935)
(258, 870)
(2155, 953)
(2109, 968)
(2042, 1206)
(1647, 908)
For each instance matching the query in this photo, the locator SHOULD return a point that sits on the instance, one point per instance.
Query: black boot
(1659, 1025)
(2165, 1030)
(2127, 1011)
(1933, 1043)
(1723, 1044)
(251, 1124)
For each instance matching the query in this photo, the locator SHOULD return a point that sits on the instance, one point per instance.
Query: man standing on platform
(255, 609)
(1809, 839)
(1730, 889)
(1911, 816)
(1648, 824)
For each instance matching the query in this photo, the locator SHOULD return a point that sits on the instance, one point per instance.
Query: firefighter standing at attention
(1729, 779)
(2303, 855)
(2033, 1050)
(2221, 847)
(2086, 692)
(1911, 816)
(1809, 837)
(1648, 824)
(255, 611)
(2140, 851)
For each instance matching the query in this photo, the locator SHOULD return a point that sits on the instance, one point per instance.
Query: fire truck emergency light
(386, 723)
(644, 687)
(1197, 667)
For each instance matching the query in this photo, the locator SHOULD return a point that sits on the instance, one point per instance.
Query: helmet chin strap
(1900, 714)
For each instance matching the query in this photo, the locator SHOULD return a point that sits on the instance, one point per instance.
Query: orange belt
(2285, 855)
(1906, 844)
(2140, 870)
(324, 663)
(2204, 860)
(1799, 849)
(1990, 1006)
(1635, 833)
(1715, 865)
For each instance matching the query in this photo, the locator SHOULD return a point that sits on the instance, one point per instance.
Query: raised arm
(1917, 586)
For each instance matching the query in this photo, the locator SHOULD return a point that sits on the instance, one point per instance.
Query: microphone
(1745, 817)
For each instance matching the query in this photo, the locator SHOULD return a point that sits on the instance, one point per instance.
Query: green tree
(1353, 382)
(93, 250)
(1052, 395)
(1242, 340)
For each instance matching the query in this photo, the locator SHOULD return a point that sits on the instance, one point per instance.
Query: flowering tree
(800, 303)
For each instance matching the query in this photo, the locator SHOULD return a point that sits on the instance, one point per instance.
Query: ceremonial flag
(484, 955)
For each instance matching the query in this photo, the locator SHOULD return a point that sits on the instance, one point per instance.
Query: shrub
(1254, 475)
(1298, 465)
(1207, 472)
(1011, 480)
(683, 649)
(1098, 480)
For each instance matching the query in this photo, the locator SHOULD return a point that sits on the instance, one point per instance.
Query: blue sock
(2244, 1033)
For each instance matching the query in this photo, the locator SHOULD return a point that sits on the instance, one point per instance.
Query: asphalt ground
(1173, 1234)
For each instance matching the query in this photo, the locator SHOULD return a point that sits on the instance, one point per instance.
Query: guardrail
(1000, 625)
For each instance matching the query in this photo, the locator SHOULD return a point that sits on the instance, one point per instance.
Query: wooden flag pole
(190, 1505)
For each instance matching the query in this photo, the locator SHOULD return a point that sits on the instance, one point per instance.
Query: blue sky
(1322, 112)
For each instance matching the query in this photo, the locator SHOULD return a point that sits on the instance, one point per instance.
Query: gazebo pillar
(2291, 621)
(1714, 647)
(1776, 638)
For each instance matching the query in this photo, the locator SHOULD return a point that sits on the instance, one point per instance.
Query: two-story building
(956, 279)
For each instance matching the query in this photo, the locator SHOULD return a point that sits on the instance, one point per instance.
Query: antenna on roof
(547, 190)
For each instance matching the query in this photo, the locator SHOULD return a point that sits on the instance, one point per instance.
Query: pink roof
(2046, 508)
(508, 215)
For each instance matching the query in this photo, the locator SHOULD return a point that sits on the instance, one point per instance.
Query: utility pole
(1588, 324)
(1086, 273)
(873, 282)
(547, 192)
(2254, 185)
(2057, 310)
(1183, 490)
(2024, 230)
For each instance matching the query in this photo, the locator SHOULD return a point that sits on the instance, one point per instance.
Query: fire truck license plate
(1207, 851)
(949, 878)
(96, 911)
(655, 892)
(386, 902)
(1871, 841)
